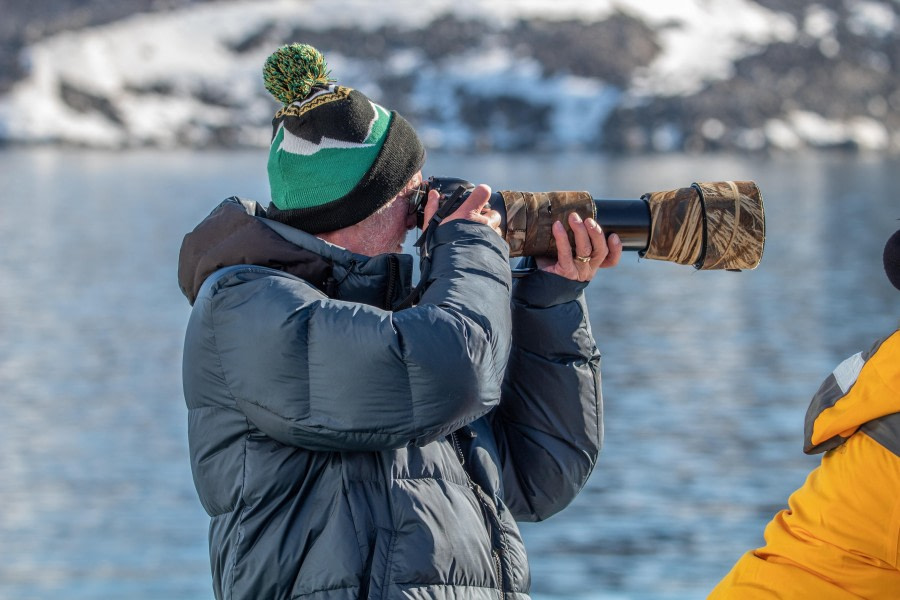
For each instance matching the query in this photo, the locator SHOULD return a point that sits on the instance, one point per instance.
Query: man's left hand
(592, 250)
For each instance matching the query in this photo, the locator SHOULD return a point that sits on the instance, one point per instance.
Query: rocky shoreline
(524, 83)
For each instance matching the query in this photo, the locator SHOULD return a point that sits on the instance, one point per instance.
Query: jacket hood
(861, 390)
(237, 232)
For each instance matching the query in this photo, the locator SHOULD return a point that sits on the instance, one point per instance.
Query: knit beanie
(336, 157)
(892, 259)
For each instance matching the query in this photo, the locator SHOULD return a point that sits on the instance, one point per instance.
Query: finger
(563, 247)
(431, 206)
(488, 217)
(615, 252)
(471, 206)
(599, 247)
(493, 220)
(583, 246)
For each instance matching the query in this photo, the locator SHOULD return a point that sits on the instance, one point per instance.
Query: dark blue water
(706, 374)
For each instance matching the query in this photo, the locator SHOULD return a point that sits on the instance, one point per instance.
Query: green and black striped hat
(336, 156)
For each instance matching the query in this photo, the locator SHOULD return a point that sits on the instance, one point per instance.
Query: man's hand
(592, 251)
(474, 208)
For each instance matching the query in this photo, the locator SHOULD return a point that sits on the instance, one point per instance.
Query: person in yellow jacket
(840, 536)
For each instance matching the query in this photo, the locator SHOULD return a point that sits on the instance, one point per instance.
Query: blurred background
(122, 124)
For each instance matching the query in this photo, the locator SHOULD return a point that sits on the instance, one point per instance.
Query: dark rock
(83, 101)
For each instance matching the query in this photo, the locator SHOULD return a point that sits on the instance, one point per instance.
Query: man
(344, 449)
(840, 537)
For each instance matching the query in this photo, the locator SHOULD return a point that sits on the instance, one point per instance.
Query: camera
(717, 225)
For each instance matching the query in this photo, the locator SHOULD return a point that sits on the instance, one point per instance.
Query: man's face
(386, 230)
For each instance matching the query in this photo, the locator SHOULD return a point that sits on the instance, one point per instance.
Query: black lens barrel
(628, 218)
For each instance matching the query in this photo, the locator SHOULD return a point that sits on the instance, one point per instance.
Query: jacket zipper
(460, 455)
(393, 276)
(498, 565)
(489, 511)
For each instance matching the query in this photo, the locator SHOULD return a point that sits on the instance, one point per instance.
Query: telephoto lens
(717, 225)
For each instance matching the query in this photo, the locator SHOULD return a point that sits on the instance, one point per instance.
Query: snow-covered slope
(501, 74)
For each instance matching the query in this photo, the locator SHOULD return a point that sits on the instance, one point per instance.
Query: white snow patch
(869, 134)
(703, 39)
(753, 139)
(804, 128)
(819, 22)
(816, 129)
(712, 129)
(871, 18)
(781, 135)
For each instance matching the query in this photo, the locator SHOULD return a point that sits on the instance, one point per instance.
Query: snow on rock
(475, 73)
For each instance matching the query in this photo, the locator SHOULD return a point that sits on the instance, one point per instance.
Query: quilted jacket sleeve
(549, 426)
(324, 374)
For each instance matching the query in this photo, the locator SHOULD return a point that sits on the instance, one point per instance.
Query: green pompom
(291, 72)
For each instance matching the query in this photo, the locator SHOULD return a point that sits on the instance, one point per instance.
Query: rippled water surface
(706, 374)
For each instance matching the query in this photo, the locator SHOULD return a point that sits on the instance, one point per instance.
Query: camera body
(446, 187)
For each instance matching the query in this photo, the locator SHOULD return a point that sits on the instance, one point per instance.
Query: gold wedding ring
(583, 259)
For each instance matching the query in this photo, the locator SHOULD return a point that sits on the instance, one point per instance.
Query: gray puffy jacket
(344, 450)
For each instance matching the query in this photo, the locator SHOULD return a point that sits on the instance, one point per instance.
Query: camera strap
(445, 208)
(424, 244)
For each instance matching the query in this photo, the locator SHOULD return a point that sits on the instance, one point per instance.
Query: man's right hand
(474, 208)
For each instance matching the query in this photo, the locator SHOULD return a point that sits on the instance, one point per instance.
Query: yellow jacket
(840, 536)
